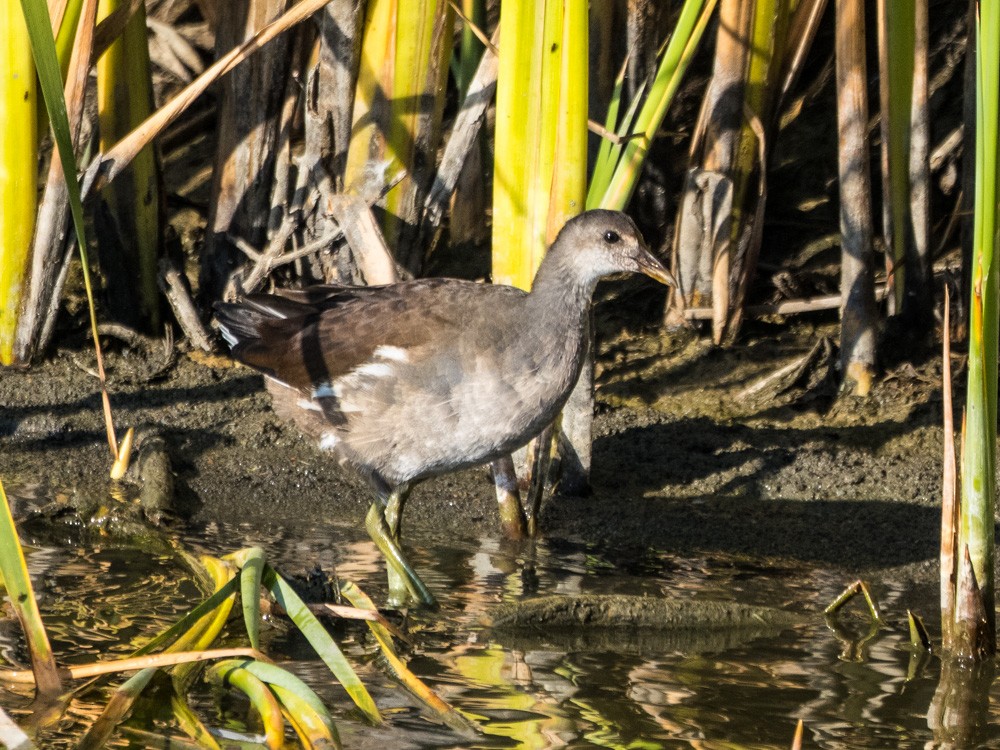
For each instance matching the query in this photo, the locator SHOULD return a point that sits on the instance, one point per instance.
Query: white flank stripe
(304, 403)
(394, 353)
(373, 370)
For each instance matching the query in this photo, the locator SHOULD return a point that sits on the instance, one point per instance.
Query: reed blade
(322, 642)
(674, 62)
(14, 569)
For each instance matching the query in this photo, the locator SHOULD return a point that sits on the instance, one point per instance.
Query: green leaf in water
(321, 640)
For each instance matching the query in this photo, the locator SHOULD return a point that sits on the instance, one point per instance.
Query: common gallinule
(410, 380)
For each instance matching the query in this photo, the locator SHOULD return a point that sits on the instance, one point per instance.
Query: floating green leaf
(251, 562)
(231, 672)
(407, 678)
(321, 640)
(275, 676)
(116, 710)
(309, 724)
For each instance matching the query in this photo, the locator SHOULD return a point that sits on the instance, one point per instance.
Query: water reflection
(615, 689)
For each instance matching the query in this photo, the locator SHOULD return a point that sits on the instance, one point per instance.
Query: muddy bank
(684, 459)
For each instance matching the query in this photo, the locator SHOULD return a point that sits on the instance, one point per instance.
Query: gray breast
(406, 415)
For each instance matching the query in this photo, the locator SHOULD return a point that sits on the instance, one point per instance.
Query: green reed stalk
(978, 491)
(14, 570)
(540, 164)
(18, 169)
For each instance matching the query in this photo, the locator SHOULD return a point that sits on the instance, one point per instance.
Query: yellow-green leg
(399, 593)
(382, 523)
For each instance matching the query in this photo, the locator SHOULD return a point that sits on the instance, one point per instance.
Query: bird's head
(608, 242)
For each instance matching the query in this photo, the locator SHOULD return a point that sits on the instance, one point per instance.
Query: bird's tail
(238, 323)
(241, 322)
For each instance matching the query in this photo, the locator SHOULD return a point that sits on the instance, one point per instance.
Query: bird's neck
(561, 292)
(557, 313)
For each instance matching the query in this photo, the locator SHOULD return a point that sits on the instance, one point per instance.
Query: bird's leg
(381, 534)
(512, 518)
(394, 509)
(539, 460)
(398, 592)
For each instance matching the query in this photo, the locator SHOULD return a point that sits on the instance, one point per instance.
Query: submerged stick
(858, 587)
(797, 738)
(621, 611)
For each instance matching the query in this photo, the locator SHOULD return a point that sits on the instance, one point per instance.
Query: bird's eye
(611, 237)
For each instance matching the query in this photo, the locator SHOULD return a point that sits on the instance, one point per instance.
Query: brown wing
(311, 337)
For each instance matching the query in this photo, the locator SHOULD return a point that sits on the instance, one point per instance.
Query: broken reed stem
(797, 738)
(358, 613)
(109, 423)
(919, 637)
(110, 164)
(785, 307)
(95, 669)
(470, 120)
(971, 626)
(175, 289)
(474, 28)
(537, 463)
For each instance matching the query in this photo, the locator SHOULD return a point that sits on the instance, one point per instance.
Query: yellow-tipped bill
(650, 265)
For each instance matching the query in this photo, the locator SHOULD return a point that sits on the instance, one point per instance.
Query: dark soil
(686, 458)
(690, 455)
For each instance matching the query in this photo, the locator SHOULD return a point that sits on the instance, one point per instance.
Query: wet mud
(697, 450)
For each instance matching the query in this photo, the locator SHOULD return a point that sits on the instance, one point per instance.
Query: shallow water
(618, 689)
